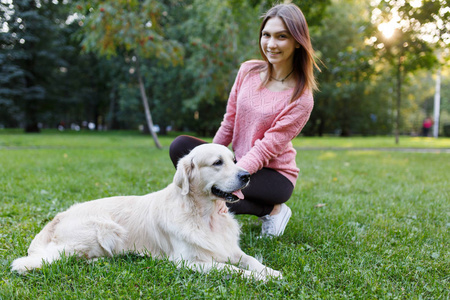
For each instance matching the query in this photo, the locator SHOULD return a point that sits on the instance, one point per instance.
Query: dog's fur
(183, 222)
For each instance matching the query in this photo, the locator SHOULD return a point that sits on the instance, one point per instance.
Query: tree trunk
(148, 115)
(111, 121)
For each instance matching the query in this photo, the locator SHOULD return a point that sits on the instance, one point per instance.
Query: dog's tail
(26, 263)
(36, 258)
(41, 249)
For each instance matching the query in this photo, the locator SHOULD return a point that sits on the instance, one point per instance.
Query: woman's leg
(181, 146)
(267, 188)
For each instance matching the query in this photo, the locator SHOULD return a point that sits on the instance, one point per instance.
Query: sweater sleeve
(224, 134)
(285, 127)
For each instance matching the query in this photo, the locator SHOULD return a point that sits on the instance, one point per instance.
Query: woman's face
(277, 43)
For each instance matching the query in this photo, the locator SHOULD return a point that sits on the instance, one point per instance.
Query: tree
(32, 51)
(92, 86)
(214, 50)
(10, 75)
(345, 103)
(403, 43)
(435, 16)
(133, 29)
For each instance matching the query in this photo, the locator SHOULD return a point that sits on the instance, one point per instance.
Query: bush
(446, 129)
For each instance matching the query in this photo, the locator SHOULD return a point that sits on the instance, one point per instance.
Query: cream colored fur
(183, 222)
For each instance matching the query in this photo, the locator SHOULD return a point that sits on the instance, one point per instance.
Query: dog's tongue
(238, 194)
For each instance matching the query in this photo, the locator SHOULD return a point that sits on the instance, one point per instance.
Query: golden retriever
(187, 222)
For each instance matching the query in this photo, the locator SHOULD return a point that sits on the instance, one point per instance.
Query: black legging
(267, 187)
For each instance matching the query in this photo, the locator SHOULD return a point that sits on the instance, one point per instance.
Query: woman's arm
(288, 125)
(224, 134)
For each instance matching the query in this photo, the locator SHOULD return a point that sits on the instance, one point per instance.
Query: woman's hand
(223, 209)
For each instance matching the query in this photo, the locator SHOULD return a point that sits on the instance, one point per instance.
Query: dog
(187, 222)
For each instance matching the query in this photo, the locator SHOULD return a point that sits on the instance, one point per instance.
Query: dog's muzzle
(230, 196)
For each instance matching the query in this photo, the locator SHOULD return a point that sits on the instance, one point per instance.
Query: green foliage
(365, 224)
(77, 62)
(431, 14)
(110, 27)
(408, 50)
(32, 59)
(212, 62)
(350, 98)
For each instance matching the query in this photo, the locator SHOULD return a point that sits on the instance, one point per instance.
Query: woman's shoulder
(248, 65)
(306, 100)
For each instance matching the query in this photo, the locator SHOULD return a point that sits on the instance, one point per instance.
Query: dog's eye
(218, 162)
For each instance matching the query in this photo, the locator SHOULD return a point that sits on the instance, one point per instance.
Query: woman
(268, 106)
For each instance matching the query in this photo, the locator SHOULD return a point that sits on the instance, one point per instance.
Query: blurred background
(170, 64)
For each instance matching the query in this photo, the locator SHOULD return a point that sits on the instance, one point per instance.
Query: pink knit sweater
(261, 124)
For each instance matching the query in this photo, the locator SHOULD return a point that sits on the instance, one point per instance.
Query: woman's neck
(281, 72)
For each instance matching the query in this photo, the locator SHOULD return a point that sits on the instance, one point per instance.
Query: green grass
(382, 233)
(372, 142)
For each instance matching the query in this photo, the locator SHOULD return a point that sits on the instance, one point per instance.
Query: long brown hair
(304, 56)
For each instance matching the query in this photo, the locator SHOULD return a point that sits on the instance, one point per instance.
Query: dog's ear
(183, 174)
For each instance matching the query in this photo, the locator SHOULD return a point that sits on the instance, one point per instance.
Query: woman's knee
(181, 146)
(269, 187)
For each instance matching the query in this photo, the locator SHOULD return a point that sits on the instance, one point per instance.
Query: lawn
(373, 142)
(365, 225)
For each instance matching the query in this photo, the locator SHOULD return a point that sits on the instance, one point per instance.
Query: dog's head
(210, 170)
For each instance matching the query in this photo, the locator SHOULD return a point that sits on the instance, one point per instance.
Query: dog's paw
(267, 274)
(273, 273)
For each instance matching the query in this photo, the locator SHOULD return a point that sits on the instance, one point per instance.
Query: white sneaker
(275, 225)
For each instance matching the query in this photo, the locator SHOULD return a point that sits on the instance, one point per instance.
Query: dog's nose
(244, 176)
